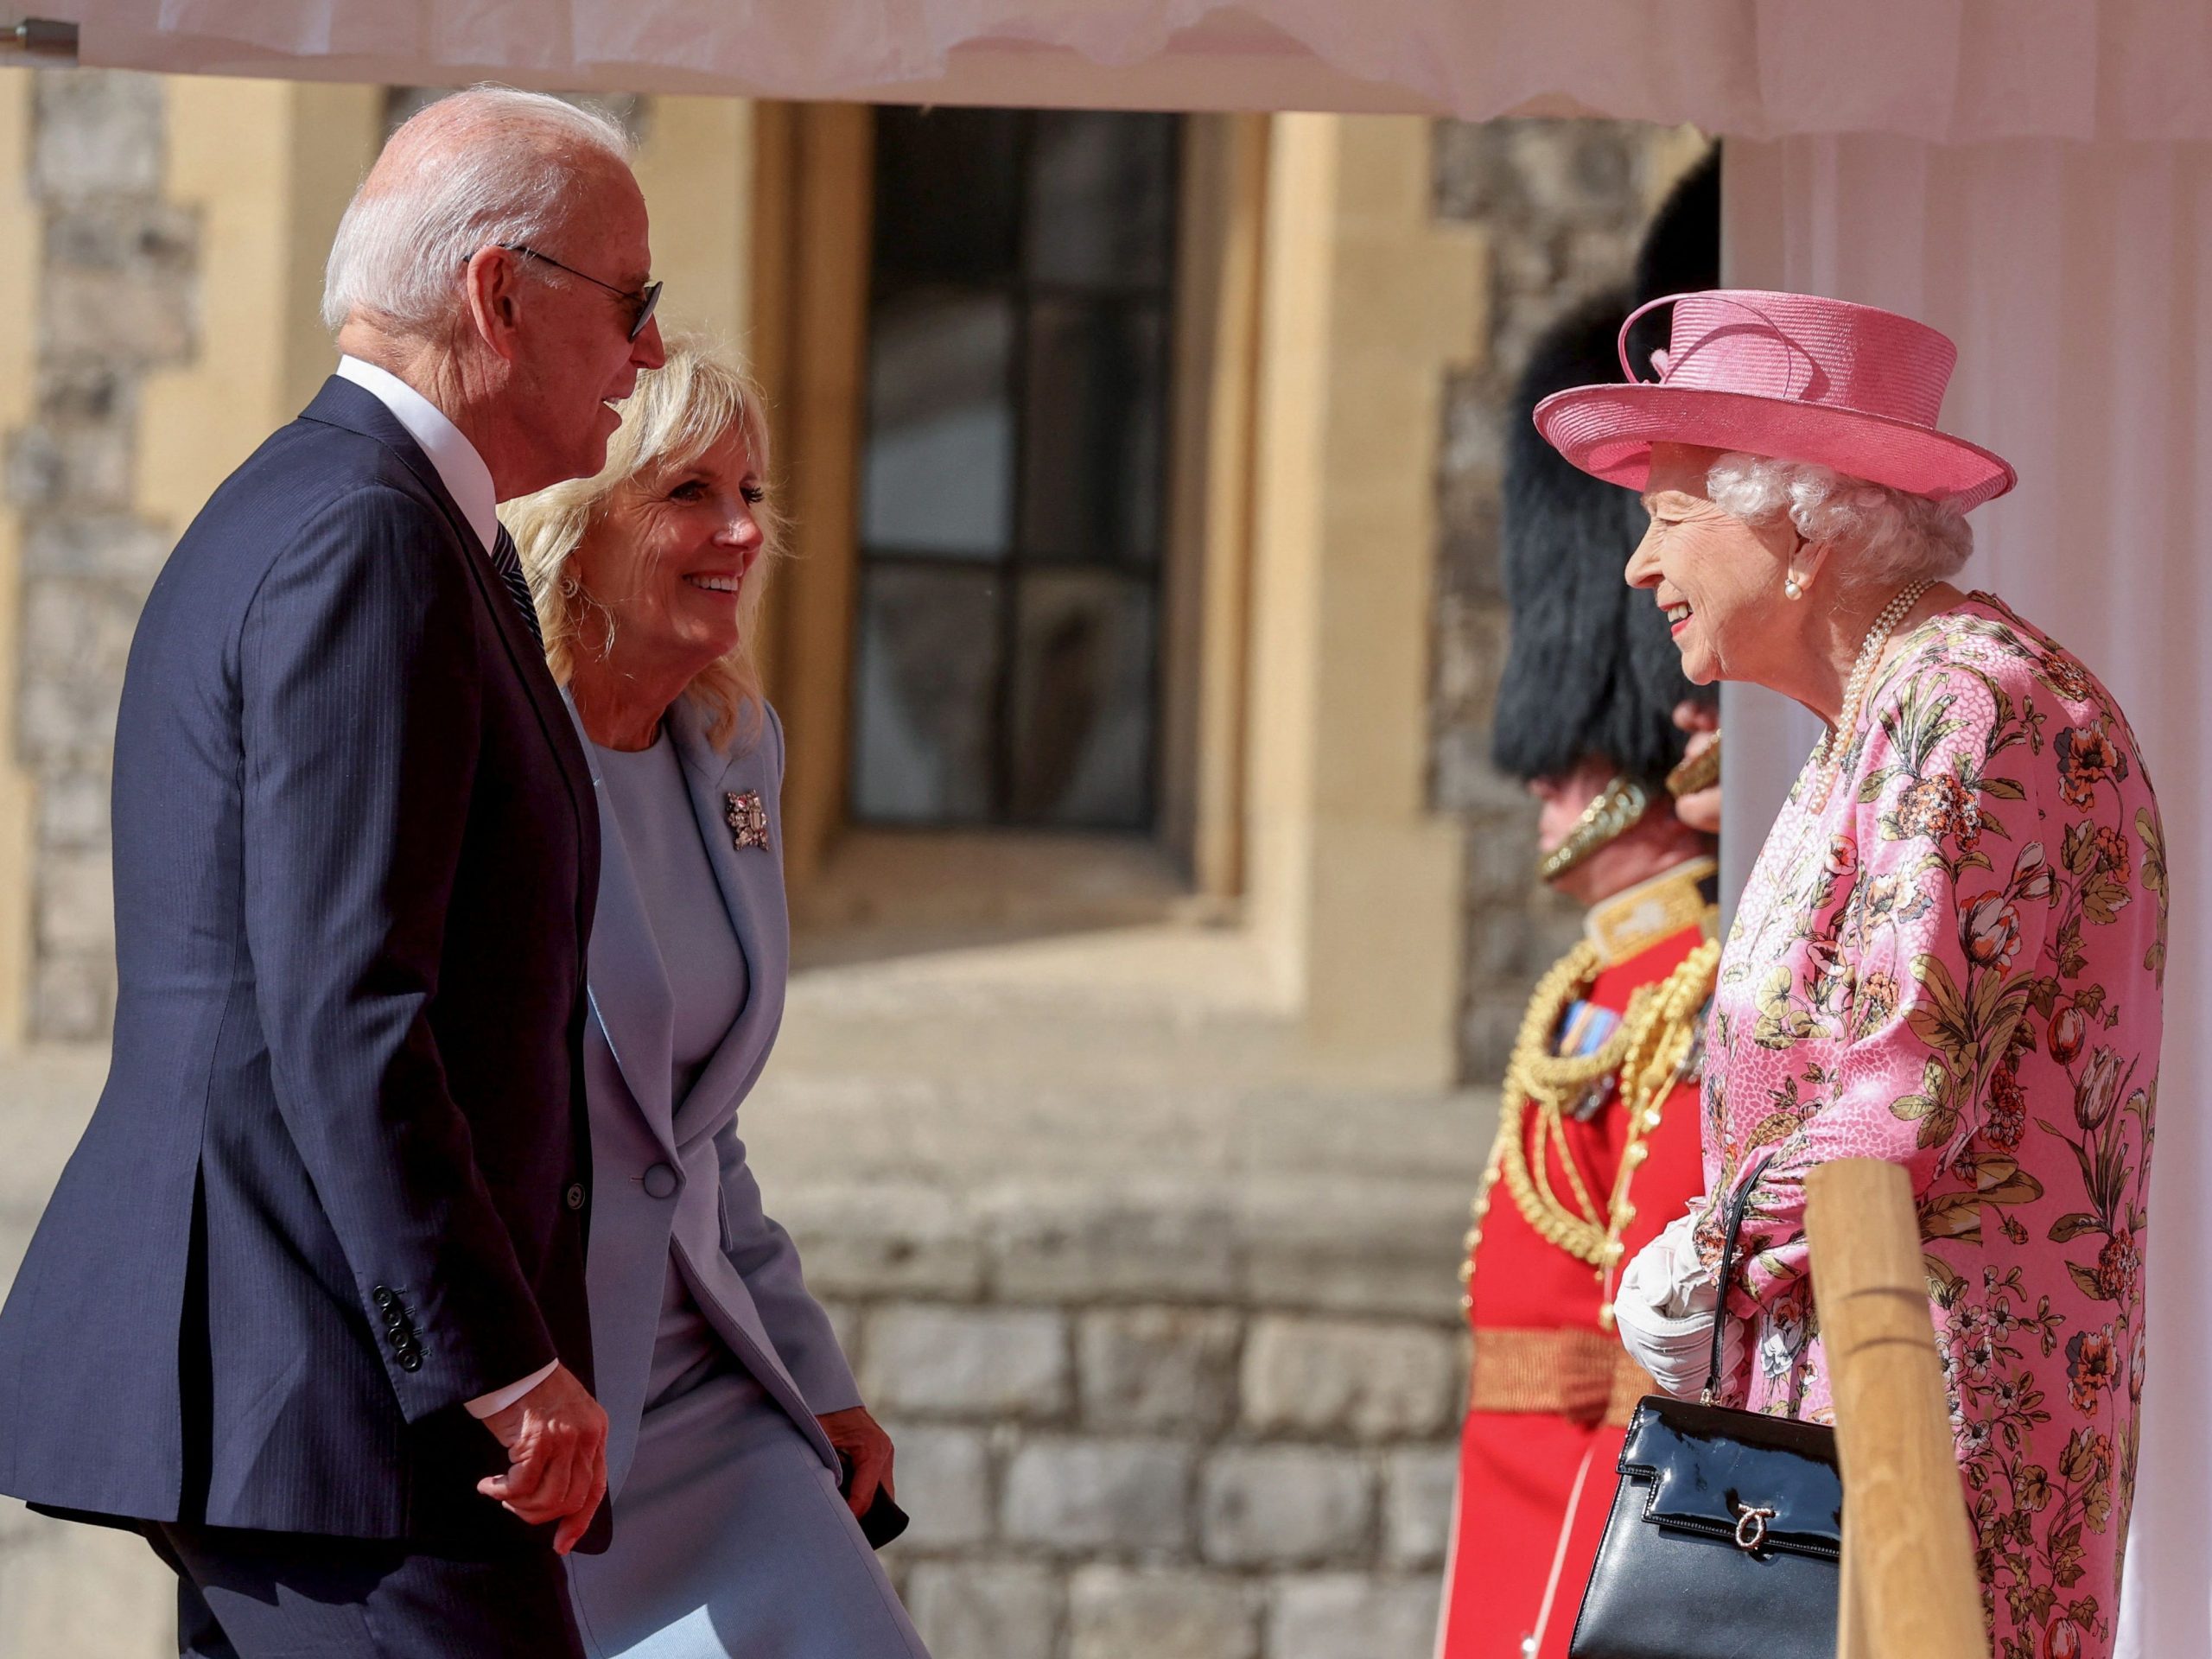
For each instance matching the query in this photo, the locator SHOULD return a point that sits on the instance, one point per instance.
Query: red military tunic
(1550, 1386)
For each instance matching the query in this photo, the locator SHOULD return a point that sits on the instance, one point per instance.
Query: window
(1013, 478)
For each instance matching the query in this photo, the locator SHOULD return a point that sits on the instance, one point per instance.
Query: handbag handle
(1737, 1205)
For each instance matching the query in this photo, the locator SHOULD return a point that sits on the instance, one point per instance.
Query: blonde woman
(729, 1403)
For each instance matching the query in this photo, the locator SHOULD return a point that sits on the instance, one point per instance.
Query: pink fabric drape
(2077, 281)
(1944, 70)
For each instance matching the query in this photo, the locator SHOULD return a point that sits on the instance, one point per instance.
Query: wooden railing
(1909, 1585)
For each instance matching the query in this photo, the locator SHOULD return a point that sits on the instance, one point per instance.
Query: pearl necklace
(1828, 755)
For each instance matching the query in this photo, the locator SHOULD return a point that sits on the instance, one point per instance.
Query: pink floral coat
(1957, 966)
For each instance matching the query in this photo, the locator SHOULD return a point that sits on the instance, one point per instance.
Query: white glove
(1665, 1306)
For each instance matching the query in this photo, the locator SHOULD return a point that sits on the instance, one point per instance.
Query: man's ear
(492, 283)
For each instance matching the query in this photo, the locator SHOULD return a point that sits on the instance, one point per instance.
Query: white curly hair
(1879, 536)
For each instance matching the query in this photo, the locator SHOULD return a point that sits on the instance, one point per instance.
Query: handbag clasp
(1750, 1527)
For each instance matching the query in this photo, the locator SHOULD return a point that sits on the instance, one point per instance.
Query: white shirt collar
(462, 470)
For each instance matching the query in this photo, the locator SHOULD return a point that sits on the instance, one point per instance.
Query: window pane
(1100, 197)
(939, 472)
(946, 189)
(1091, 461)
(1083, 692)
(924, 679)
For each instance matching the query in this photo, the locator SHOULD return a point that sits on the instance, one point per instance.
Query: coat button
(410, 1361)
(575, 1195)
(660, 1181)
(382, 1298)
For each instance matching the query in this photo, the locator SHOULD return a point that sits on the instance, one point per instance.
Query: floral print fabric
(1955, 965)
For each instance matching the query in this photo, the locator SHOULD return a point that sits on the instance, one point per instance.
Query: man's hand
(860, 1438)
(1699, 810)
(555, 1437)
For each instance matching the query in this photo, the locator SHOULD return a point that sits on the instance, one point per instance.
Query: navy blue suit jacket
(338, 1182)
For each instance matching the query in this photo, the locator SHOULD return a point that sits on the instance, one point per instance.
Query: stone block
(1489, 1026)
(141, 316)
(1130, 1496)
(1163, 1368)
(72, 810)
(76, 902)
(1078, 1244)
(1117, 1612)
(1471, 785)
(1376, 1247)
(1340, 1378)
(985, 1610)
(75, 394)
(105, 547)
(986, 1364)
(1351, 1616)
(943, 1478)
(48, 466)
(78, 635)
(1285, 1505)
(63, 723)
(1418, 1483)
(110, 234)
(98, 132)
(72, 997)
(1474, 176)
(1500, 871)
(882, 1239)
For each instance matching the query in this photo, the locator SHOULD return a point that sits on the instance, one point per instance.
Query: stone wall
(1562, 205)
(117, 302)
(1114, 1447)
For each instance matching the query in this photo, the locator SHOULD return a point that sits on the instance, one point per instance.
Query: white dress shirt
(468, 480)
(460, 469)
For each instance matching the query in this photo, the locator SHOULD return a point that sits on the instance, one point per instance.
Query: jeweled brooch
(747, 819)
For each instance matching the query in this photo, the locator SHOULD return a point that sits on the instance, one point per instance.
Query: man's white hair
(1883, 537)
(488, 166)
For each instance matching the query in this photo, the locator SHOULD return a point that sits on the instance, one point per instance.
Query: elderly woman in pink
(1950, 952)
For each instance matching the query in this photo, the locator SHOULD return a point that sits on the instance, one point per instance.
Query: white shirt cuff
(490, 1405)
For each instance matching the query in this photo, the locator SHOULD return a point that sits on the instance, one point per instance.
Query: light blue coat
(677, 1177)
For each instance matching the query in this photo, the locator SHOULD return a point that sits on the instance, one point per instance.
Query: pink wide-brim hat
(1789, 375)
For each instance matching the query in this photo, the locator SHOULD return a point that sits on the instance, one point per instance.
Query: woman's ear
(1804, 567)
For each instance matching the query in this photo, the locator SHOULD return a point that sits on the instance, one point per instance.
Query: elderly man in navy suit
(307, 1307)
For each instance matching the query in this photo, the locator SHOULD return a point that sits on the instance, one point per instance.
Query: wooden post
(1907, 1546)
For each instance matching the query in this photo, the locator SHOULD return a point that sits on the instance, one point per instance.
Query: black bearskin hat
(1591, 670)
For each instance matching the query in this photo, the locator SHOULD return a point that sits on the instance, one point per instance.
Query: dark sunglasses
(644, 299)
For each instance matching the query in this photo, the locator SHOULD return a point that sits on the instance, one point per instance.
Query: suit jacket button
(410, 1361)
(660, 1181)
(575, 1195)
(382, 1298)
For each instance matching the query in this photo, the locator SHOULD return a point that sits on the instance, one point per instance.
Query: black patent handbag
(1726, 1537)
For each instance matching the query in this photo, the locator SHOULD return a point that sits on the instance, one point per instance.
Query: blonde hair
(676, 413)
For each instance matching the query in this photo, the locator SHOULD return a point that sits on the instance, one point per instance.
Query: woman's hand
(1665, 1307)
(861, 1439)
(1700, 810)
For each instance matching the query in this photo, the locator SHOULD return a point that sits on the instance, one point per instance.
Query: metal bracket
(40, 39)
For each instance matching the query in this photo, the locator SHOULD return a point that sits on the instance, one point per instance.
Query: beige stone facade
(1133, 1167)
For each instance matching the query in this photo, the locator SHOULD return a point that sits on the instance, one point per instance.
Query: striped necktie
(508, 562)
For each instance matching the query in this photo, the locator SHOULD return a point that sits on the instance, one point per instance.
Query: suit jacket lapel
(629, 989)
(752, 883)
(342, 403)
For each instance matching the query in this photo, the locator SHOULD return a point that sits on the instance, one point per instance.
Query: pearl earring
(1792, 587)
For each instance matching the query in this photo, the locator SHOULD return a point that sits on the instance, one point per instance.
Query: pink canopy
(1949, 71)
